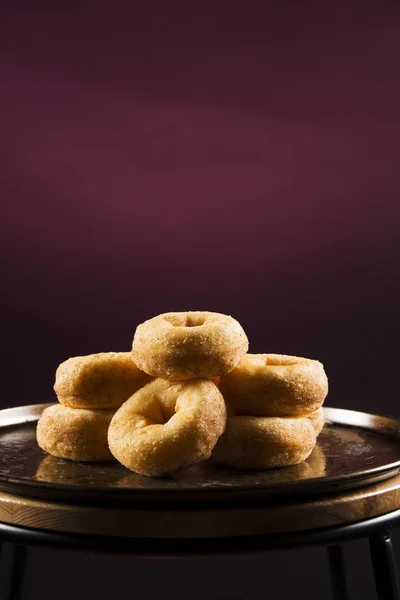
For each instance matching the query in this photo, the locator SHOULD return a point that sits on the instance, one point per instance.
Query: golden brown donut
(265, 442)
(167, 426)
(102, 380)
(188, 345)
(75, 433)
(274, 385)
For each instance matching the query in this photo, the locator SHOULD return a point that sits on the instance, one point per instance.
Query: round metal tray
(354, 449)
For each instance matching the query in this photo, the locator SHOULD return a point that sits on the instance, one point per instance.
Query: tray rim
(389, 427)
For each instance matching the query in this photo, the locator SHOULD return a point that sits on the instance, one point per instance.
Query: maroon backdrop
(233, 156)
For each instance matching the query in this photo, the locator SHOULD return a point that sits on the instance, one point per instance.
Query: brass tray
(353, 450)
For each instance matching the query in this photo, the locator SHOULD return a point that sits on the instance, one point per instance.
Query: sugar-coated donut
(188, 345)
(102, 380)
(75, 433)
(274, 385)
(167, 426)
(265, 442)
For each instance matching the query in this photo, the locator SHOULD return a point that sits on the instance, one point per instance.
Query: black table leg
(337, 572)
(18, 568)
(384, 566)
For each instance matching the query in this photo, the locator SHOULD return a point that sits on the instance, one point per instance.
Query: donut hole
(186, 320)
(194, 321)
(158, 413)
(166, 414)
(276, 360)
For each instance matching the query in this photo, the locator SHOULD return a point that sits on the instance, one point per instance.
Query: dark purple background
(233, 156)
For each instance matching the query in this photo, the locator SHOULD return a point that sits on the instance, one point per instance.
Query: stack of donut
(275, 413)
(89, 389)
(187, 392)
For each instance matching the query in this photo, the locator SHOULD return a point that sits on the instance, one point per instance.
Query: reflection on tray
(58, 470)
(208, 474)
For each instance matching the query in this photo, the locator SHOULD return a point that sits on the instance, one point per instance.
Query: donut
(189, 345)
(75, 433)
(102, 380)
(264, 442)
(274, 385)
(167, 426)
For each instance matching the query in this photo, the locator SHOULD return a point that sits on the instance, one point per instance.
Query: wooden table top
(257, 519)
